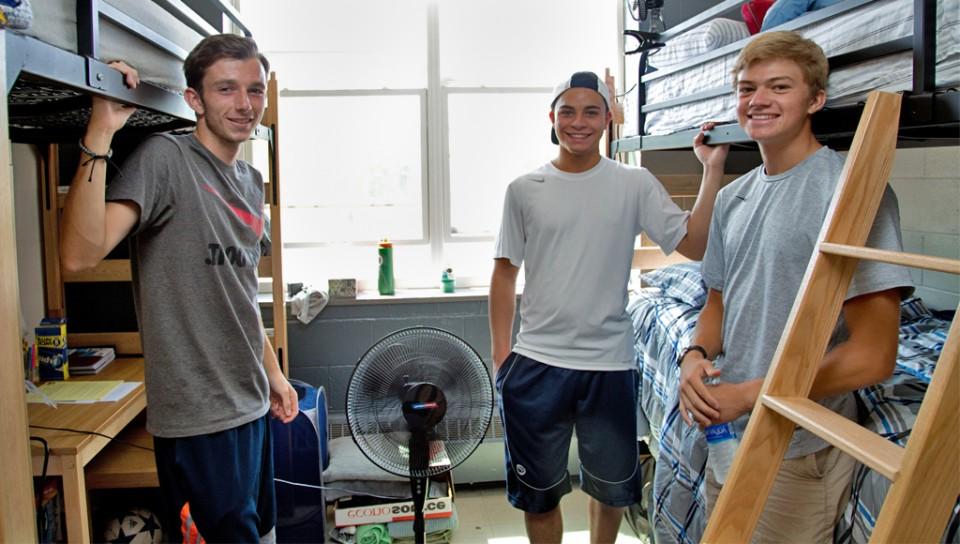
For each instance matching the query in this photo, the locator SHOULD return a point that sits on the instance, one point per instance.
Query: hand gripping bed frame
(925, 475)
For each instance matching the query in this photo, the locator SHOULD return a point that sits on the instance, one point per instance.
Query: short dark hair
(216, 47)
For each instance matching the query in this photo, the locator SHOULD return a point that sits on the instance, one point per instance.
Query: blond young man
(762, 234)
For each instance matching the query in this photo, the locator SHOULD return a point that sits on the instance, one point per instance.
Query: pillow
(711, 35)
(680, 282)
(347, 462)
(787, 10)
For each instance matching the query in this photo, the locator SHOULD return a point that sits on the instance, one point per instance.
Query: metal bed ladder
(925, 475)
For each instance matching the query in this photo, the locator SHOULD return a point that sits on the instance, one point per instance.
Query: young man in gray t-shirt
(764, 229)
(194, 213)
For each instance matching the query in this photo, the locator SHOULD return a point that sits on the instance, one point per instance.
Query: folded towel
(308, 303)
(374, 533)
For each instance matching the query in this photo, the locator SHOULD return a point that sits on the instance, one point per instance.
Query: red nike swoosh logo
(252, 220)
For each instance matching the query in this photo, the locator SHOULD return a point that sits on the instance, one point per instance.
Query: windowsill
(405, 296)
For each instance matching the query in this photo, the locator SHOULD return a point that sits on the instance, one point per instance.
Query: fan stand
(424, 405)
(419, 462)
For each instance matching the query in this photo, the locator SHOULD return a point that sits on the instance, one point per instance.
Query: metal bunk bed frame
(47, 86)
(928, 113)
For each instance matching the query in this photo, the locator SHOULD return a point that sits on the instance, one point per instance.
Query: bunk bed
(909, 46)
(51, 67)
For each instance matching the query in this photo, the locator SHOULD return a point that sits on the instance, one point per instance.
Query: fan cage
(419, 354)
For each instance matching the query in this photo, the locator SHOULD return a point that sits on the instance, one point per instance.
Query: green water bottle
(448, 281)
(385, 280)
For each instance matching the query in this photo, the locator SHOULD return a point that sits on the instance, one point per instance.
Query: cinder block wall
(927, 183)
(325, 351)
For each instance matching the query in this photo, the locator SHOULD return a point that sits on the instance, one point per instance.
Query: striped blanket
(663, 324)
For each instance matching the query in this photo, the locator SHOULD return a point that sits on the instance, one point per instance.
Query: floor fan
(418, 404)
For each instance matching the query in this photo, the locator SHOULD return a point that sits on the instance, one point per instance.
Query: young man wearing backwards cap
(573, 222)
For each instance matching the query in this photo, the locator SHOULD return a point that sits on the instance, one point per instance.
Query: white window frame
(436, 181)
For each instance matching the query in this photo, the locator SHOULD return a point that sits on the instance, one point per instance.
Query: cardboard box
(51, 339)
(361, 510)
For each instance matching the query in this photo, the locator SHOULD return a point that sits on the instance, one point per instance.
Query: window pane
(494, 138)
(344, 181)
(528, 43)
(342, 44)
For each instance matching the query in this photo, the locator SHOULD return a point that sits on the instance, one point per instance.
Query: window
(407, 120)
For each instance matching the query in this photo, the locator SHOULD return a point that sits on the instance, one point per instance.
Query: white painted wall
(927, 184)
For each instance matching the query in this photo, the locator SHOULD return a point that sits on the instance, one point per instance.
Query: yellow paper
(75, 391)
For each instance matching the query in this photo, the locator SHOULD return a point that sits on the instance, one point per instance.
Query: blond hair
(789, 45)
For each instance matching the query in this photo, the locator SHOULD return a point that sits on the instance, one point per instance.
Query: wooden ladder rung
(940, 264)
(866, 446)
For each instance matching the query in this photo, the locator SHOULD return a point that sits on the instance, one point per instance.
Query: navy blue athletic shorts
(227, 477)
(540, 406)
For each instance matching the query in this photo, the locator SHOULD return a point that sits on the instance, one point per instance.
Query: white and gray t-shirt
(763, 232)
(575, 234)
(194, 256)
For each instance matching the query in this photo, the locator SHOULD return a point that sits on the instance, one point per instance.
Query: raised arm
(713, 158)
(502, 302)
(90, 227)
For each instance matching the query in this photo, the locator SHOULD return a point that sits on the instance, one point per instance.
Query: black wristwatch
(688, 349)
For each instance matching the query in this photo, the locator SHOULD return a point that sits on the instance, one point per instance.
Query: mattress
(871, 24)
(55, 22)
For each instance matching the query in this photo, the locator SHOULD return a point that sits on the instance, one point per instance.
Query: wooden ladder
(925, 474)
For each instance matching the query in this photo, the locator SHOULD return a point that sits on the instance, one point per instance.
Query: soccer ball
(134, 526)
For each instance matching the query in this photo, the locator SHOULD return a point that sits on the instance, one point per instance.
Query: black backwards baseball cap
(584, 80)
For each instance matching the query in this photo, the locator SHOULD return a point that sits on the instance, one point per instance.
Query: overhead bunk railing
(925, 106)
(47, 84)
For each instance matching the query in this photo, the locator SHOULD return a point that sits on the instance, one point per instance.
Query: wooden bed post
(925, 474)
(17, 518)
(271, 119)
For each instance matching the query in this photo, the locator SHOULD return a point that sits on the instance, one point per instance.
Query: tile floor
(487, 517)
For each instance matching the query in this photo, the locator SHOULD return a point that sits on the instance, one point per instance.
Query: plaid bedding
(664, 324)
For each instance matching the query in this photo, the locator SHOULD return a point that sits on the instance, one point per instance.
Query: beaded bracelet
(93, 157)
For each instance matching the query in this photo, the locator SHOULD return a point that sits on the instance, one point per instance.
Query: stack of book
(86, 361)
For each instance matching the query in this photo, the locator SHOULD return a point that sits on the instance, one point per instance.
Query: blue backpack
(299, 457)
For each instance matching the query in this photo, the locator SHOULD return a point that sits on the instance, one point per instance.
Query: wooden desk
(70, 452)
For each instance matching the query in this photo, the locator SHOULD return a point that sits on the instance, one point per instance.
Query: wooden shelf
(123, 466)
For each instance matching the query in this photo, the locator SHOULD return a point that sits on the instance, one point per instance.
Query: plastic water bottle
(385, 277)
(722, 442)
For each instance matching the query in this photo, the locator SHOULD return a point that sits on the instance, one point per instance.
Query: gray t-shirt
(763, 232)
(194, 256)
(575, 235)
